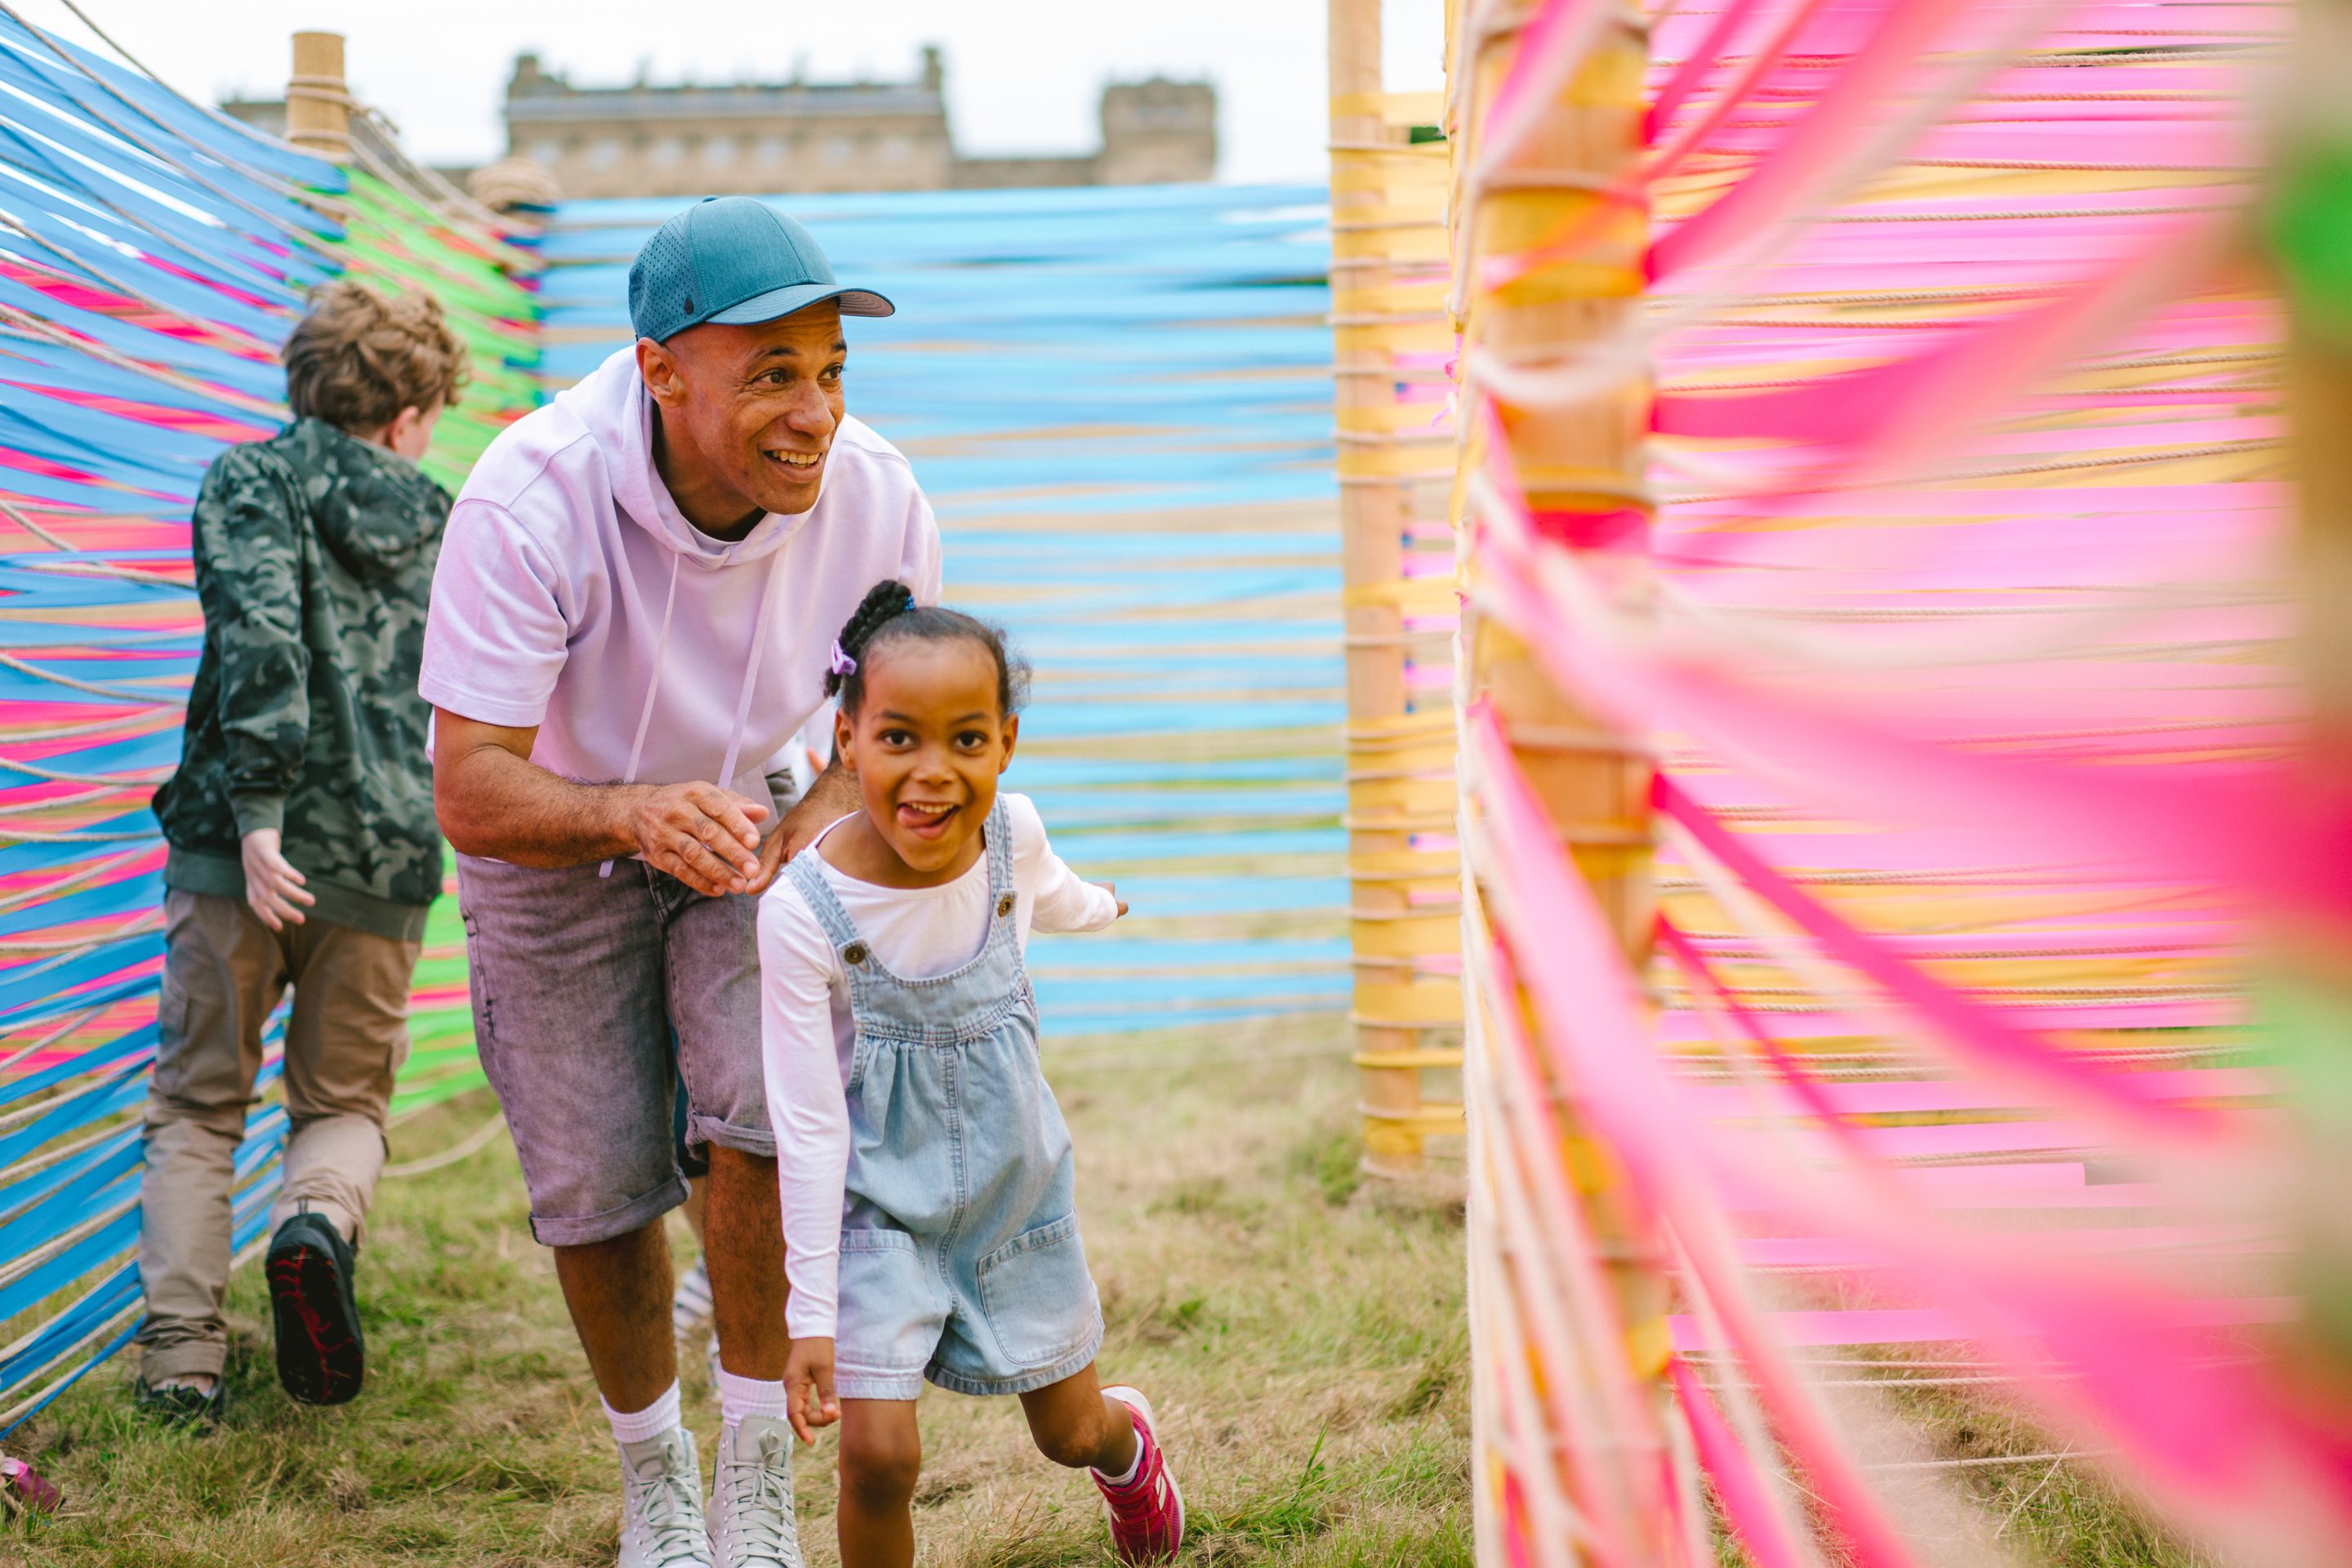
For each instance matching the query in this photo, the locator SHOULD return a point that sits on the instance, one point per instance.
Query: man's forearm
(834, 793)
(492, 803)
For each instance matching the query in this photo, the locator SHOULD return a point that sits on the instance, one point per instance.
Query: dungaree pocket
(1038, 1296)
(888, 1315)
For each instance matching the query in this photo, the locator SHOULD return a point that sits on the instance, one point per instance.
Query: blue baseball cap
(731, 259)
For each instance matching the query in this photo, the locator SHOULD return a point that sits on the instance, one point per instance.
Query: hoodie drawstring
(653, 687)
(752, 673)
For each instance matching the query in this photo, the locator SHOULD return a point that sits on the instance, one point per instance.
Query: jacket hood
(373, 508)
(612, 403)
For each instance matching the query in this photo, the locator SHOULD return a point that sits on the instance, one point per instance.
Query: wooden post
(1577, 461)
(1387, 286)
(1580, 461)
(317, 99)
(1371, 539)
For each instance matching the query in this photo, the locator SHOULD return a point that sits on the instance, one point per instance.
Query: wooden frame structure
(1392, 338)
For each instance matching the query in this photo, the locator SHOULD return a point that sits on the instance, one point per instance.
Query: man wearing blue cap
(629, 627)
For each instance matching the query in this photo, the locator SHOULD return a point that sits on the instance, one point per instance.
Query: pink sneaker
(1147, 1514)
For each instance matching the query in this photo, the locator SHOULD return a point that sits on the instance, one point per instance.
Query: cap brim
(797, 296)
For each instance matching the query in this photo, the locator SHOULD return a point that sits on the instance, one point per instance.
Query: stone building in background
(784, 137)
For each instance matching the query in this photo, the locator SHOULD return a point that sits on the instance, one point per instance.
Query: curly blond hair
(358, 358)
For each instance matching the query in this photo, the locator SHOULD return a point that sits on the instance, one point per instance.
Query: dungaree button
(853, 953)
(1004, 906)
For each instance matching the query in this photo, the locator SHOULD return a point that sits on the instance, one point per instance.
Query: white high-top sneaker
(661, 1504)
(751, 1522)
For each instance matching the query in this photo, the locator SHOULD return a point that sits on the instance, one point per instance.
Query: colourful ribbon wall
(1949, 600)
(1118, 402)
(152, 256)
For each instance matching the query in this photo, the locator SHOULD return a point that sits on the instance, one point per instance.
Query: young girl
(926, 1167)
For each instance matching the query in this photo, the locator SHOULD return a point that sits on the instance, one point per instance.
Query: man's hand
(272, 887)
(706, 837)
(808, 1387)
(833, 797)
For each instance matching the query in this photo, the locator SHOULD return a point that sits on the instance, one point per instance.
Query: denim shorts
(579, 981)
(1013, 1319)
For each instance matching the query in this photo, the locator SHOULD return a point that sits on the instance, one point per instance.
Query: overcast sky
(1022, 75)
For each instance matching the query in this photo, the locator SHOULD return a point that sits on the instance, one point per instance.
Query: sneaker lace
(669, 1501)
(759, 1482)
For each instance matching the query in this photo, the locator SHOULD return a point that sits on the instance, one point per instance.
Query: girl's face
(926, 747)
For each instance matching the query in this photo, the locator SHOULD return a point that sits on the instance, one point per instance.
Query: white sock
(741, 1396)
(1134, 1466)
(636, 1425)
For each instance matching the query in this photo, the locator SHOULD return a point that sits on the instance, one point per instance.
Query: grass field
(1299, 1332)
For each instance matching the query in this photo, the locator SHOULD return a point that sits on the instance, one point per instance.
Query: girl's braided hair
(888, 614)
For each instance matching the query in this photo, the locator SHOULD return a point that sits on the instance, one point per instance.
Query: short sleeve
(495, 638)
(918, 564)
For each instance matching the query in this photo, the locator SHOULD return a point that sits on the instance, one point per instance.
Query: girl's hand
(1112, 888)
(808, 1387)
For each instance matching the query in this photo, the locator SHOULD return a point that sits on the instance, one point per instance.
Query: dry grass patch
(1299, 1333)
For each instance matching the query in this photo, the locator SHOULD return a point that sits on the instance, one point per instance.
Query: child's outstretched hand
(808, 1387)
(1112, 888)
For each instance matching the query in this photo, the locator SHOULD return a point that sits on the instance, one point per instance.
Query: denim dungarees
(959, 1253)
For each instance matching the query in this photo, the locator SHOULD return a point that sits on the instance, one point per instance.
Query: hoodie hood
(613, 404)
(565, 604)
(376, 510)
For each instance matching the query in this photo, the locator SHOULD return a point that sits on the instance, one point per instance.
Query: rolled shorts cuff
(557, 1230)
(1077, 1361)
(705, 1130)
(865, 1382)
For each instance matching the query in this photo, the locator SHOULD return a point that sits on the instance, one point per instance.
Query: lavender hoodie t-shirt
(568, 577)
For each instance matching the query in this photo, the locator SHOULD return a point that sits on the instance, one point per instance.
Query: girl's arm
(805, 1103)
(1060, 900)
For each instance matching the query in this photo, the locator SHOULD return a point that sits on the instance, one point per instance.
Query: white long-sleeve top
(807, 1036)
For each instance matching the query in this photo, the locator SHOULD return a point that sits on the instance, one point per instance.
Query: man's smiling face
(748, 413)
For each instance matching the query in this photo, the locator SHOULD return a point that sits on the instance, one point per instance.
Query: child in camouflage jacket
(303, 846)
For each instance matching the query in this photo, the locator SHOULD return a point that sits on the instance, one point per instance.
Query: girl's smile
(925, 746)
(924, 819)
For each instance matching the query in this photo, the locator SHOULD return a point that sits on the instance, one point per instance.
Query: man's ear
(1012, 738)
(659, 371)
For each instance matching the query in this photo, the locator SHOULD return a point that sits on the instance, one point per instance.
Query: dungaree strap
(1000, 857)
(808, 876)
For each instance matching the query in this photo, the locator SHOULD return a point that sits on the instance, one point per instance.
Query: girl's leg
(1074, 1425)
(881, 1458)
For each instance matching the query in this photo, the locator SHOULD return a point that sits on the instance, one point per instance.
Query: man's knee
(880, 1465)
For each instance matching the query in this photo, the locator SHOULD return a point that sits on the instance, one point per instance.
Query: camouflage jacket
(314, 554)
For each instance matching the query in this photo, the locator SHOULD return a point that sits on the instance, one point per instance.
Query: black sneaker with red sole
(320, 1354)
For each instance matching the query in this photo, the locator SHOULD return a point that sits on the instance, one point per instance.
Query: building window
(718, 152)
(836, 150)
(896, 150)
(545, 154)
(604, 152)
(666, 152)
(774, 150)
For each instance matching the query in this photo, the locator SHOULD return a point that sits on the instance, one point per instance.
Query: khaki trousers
(224, 971)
